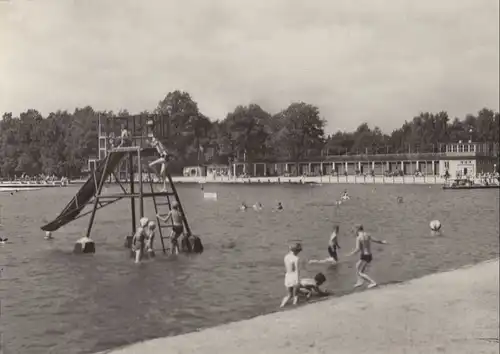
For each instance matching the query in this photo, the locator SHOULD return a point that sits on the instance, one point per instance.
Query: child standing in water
(177, 225)
(363, 246)
(333, 245)
(150, 239)
(292, 274)
(139, 239)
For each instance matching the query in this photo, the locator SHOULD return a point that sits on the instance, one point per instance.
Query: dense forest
(62, 142)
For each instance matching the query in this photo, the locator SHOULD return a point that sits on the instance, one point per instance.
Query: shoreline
(430, 180)
(449, 312)
(410, 180)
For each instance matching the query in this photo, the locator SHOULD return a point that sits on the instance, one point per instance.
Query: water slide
(86, 192)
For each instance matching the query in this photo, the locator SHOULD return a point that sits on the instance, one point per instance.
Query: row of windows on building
(462, 148)
(484, 148)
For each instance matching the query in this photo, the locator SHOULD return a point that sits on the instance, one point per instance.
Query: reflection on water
(57, 302)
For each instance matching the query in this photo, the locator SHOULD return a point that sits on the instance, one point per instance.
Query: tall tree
(300, 129)
(184, 121)
(246, 131)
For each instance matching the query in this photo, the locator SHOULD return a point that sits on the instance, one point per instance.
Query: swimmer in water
(310, 286)
(243, 207)
(363, 246)
(257, 206)
(292, 274)
(279, 206)
(333, 245)
(177, 227)
(345, 195)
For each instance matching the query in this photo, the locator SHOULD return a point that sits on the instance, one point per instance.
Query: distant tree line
(62, 142)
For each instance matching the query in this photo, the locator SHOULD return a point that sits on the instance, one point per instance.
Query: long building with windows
(457, 160)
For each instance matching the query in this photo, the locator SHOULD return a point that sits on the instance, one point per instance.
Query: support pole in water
(96, 196)
(141, 192)
(132, 199)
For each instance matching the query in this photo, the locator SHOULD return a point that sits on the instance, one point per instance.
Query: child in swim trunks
(177, 225)
(363, 246)
(333, 245)
(164, 160)
(310, 286)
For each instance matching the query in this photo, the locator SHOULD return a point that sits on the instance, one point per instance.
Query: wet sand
(453, 312)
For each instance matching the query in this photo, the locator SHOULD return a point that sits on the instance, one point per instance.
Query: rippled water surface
(57, 302)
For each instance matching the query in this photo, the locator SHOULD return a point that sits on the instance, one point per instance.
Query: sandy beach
(453, 312)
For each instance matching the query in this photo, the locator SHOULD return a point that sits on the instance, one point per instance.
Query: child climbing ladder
(164, 159)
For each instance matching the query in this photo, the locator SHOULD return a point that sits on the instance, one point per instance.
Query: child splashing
(333, 246)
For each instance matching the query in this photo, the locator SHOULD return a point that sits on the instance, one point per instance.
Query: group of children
(296, 286)
(142, 241)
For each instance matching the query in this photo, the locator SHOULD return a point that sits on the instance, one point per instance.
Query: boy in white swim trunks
(292, 274)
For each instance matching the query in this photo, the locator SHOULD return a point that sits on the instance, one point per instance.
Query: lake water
(57, 302)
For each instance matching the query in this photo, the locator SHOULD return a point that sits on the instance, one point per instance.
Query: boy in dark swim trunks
(177, 225)
(363, 246)
(333, 245)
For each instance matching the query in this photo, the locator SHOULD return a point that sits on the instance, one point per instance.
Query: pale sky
(379, 61)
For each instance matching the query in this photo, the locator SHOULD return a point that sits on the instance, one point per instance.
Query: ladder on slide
(163, 205)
